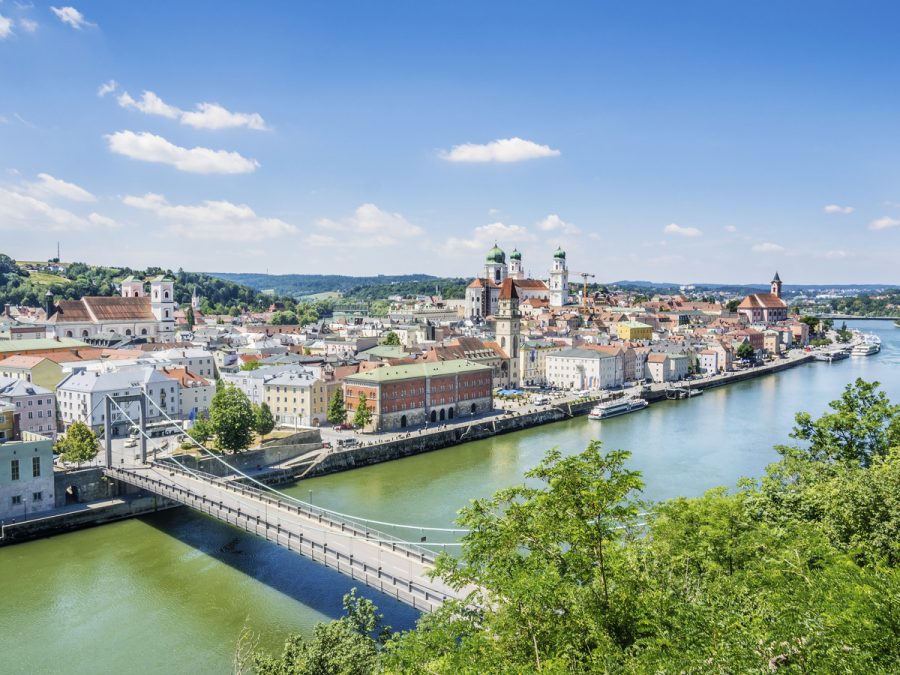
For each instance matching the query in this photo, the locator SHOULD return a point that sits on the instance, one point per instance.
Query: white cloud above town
(107, 88)
(678, 230)
(148, 147)
(502, 150)
(71, 17)
(212, 116)
(835, 208)
(48, 187)
(149, 104)
(484, 236)
(211, 219)
(6, 27)
(368, 227)
(553, 223)
(101, 220)
(884, 223)
(21, 210)
(767, 247)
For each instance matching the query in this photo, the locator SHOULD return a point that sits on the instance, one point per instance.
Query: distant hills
(383, 285)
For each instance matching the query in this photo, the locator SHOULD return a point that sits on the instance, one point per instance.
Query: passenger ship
(871, 344)
(614, 408)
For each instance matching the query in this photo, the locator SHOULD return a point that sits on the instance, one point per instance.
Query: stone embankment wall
(415, 444)
(273, 451)
(80, 518)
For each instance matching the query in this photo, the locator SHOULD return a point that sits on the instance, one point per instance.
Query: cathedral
(483, 294)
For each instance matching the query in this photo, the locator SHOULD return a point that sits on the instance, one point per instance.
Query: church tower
(162, 304)
(195, 300)
(515, 265)
(495, 265)
(559, 280)
(508, 329)
(776, 285)
(132, 288)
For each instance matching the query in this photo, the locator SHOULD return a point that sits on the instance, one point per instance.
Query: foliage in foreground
(78, 445)
(796, 572)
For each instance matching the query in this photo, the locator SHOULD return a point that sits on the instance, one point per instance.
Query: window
(14, 469)
(35, 466)
(37, 496)
(16, 499)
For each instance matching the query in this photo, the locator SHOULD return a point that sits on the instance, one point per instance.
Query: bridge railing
(352, 526)
(405, 590)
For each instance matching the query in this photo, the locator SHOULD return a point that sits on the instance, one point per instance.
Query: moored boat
(602, 411)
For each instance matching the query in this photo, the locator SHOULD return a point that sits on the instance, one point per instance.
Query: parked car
(131, 443)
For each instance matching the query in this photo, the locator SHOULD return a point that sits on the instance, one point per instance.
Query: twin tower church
(483, 294)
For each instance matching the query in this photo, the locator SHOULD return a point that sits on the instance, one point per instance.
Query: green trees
(337, 411)
(79, 445)
(348, 646)
(391, 339)
(231, 418)
(264, 422)
(732, 305)
(745, 351)
(284, 318)
(250, 365)
(363, 415)
(201, 430)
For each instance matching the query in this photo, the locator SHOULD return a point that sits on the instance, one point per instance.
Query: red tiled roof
(762, 301)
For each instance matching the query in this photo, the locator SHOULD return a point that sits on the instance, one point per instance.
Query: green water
(170, 593)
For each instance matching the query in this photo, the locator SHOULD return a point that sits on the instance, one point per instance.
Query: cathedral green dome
(515, 255)
(560, 254)
(496, 255)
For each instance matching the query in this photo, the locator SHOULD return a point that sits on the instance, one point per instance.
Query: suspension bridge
(348, 544)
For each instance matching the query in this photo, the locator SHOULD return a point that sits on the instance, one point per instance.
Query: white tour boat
(601, 411)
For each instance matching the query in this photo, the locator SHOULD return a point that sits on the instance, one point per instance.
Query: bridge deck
(372, 558)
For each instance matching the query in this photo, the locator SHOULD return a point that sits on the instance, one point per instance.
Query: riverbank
(297, 465)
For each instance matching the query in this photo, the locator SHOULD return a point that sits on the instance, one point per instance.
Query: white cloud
(835, 255)
(553, 223)
(71, 16)
(730, 228)
(212, 220)
(5, 27)
(149, 147)
(107, 88)
(884, 223)
(28, 25)
(674, 228)
(834, 208)
(214, 116)
(19, 210)
(49, 187)
(502, 150)
(484, 236)
(150, 104)
(368, 227)
(204, 116)
(768, 247)
(101, 220)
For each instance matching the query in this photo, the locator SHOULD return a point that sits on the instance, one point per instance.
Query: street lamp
(310, 496)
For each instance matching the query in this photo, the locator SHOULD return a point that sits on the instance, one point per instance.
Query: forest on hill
(354, 288)
(19, 286)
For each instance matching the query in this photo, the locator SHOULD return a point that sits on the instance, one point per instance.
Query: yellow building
(297, 399)
(7, 422)
(634, 330)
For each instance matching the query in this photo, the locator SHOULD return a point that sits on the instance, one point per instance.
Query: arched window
(128, 332)
(155, 294)
(166, 295)
(84, 333)
(68, 333)
(443, 415)
(474, 408)
(434, 416)
(143, 331)
(497, 275)
(450, 414)
(503, 343)
(135, 294)
(167, 314)
(403, 421)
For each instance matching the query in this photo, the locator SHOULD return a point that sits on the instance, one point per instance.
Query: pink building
(35, 405)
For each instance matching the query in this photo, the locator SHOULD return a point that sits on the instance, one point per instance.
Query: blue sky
(671, 141)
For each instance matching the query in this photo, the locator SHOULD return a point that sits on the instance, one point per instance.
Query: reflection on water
(172, 592)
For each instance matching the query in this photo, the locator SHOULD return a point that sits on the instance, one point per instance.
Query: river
(171, 592)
